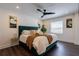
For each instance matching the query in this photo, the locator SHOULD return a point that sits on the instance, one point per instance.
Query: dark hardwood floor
(62, 49)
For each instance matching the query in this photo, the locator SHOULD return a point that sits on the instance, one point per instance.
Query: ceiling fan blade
(50, 13)
(42, 16)
(39, 10)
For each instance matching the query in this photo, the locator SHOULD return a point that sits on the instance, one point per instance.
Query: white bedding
(40, 43)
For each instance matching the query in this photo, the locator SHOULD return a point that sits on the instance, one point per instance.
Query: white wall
(7, 33)
(69, 34)
(76, 29)
(27, 21)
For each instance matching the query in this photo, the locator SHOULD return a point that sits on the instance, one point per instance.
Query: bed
(22, 39)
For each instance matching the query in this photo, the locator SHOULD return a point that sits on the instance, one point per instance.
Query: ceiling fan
(44, 12)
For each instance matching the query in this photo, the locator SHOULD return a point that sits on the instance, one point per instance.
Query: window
(57, 27)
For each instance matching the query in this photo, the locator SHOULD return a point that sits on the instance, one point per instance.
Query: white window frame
(54, 29)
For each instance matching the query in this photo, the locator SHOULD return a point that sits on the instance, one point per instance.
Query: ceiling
(60, 9)
(29, 9)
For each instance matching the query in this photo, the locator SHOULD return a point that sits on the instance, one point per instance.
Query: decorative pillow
(37, 34)
(40, 32)
(33, 32)
(26, 32)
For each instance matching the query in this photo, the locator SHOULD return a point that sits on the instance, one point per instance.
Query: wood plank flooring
(62, 49)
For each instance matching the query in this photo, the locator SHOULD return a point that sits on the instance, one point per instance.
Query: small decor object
(69, 23)
(43, 29)
(13, 21)
(39, 26)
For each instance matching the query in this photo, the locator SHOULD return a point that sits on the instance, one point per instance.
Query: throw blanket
(30, 39)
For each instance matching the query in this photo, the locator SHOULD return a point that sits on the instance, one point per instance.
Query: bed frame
(21, 28)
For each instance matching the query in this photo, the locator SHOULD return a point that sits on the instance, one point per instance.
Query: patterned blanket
(31, 38)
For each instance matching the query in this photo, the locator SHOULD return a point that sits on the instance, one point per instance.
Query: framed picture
(69, 23)
(13, 21)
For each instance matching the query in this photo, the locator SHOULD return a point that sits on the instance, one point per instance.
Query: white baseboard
(75, 43)
(7, 44)
(65, 41)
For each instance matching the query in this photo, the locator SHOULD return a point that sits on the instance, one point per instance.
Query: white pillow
(40, 32)
(26, 32)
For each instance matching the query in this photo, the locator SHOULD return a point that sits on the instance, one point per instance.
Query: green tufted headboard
(21, 28)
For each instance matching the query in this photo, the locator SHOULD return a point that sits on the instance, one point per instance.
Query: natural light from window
(57, 27)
